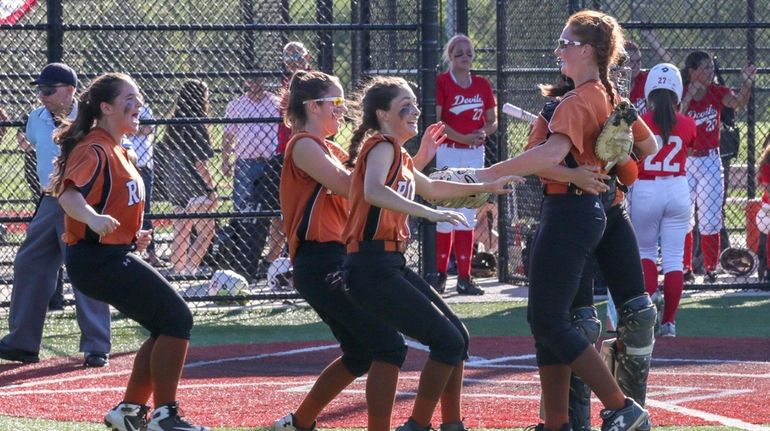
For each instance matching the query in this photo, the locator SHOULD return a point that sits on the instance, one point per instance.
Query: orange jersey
(311, 212)
(367, 222)
(580, 116)
(100, 170)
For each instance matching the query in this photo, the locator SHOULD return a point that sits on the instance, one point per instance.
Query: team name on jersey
(641, 106)
(461, 104)
(709, 117)
(135, 192)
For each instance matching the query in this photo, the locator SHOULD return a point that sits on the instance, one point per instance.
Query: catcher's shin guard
(629, 357)
(586, 320)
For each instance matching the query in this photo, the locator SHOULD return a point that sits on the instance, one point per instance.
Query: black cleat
(467, 286)
(9, 353)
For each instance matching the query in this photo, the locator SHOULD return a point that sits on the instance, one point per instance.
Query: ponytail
(664, 111)
(105, 88)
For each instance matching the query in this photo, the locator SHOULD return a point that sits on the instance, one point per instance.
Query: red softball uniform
(707, 114)
(463, 109)
(671, 156)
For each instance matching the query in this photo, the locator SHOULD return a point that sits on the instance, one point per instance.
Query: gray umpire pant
(34, 281)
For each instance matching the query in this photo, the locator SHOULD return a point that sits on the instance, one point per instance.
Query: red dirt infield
(694, 381)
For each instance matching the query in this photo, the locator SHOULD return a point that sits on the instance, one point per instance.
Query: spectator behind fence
(466, 104)
(638, 75)
(763, 215)
(187, 179)
(142, 143)
(295, 58)
(41, 255)
(93, 164)
(703, 101)
(253, 145)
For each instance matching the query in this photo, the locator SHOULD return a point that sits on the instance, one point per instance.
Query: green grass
(702, 316)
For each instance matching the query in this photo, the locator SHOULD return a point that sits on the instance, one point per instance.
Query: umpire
(41, 255)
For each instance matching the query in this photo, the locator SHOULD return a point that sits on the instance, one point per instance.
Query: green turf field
(702, 316)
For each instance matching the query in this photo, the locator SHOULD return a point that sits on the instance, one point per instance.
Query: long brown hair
(693, 61)
(378, 93)
(605, 35)
(664, 111)
(304, 85)
(104, 88)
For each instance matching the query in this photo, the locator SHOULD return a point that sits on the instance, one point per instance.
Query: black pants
(618, 257)
(381, 284)
(362, 336)
(112, 274)
(571, 228)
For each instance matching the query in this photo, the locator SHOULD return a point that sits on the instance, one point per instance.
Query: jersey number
(666, 165)
(405, 189)
(477, 114)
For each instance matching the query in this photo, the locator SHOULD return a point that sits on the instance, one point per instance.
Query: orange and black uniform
(572, 227)
(103, 267)
(617, 253)
(314, 218)
(375, 268)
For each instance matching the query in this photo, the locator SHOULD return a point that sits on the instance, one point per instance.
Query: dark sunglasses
(564, 43)
(47, 90)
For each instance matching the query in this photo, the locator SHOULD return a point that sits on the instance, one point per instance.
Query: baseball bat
(516, 112)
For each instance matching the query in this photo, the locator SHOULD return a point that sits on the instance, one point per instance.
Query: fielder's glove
(616, 141)
(483, 264)
(459, 175)
(738, 261)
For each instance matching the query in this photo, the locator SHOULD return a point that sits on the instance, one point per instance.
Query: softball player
(571, 227)
(703, 101)
(381, 199)
(618, 258)
(466, 104)
(660, 200)
(102, 195)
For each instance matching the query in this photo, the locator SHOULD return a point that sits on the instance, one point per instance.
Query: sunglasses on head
(47, 90)
(337, 101)
(564, 43)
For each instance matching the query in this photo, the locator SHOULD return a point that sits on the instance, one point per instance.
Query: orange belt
(377, 245)
(561, 189)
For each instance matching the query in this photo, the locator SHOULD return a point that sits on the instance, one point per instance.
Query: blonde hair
(450, 45)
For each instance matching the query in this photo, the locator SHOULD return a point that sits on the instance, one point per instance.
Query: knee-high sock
(443, 248)
(688, 252)
(710, 246)
(139, 386)
(673, 284)
(650, 276)
(433, 380)
(463, 252)
(380, 395)
(166, 362)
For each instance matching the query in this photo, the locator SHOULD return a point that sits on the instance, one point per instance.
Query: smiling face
(330, 113)
(123, 111)
(402, 119)
(571, 52)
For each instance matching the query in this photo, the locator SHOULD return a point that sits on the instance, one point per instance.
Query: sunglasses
(294, 56)
(564, 43)
(337, 101)
(47, 90)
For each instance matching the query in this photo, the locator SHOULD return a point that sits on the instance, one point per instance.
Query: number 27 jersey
(671, 156)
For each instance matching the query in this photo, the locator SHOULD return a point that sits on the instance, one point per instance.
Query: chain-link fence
(212, 77)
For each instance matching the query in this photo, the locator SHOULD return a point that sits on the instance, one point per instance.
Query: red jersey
(636, 95)
(367, 222)
(284, 133)
(671, 156)
(463, 109)
(100, 170)
(311, 212)
(764, 179)
(707, 114)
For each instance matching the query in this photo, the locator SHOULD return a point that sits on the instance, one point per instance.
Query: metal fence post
(503, 203)
(428, 62)
(751, 48)
(325, 15)
(55, 35)
(461, 16)
(249, 57)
